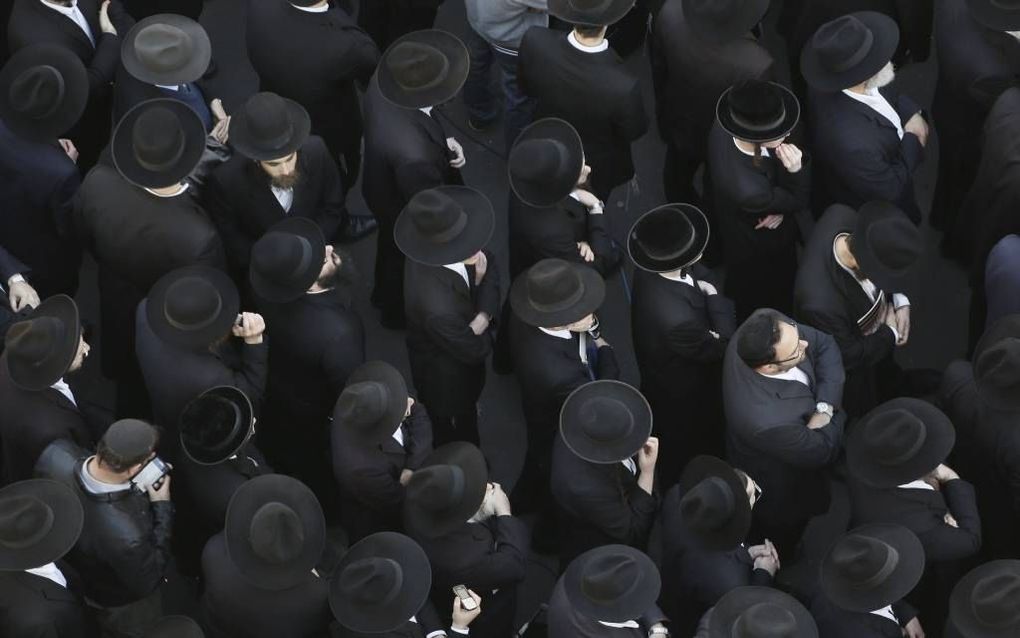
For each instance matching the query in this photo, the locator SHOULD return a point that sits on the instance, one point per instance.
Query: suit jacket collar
(869, 113)
(68, 26)
(45, 587)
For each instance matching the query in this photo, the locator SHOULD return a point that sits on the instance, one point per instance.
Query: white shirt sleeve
(900, 300)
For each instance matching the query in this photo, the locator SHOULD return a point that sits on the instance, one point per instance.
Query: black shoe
(358, 226)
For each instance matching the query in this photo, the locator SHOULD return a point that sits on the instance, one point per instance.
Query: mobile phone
(150, 475)
(466, 601)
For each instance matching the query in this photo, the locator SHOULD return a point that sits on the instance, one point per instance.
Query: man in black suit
(451, 300)
(849, 285)
(680, 326)
(21, 296)
(279, 171)
(782, 388)
(577, 78)
(312, 52)
(380, 437)
(698, 50)
(406, 149)
(868, 140)
(388, 20)
(301, 287)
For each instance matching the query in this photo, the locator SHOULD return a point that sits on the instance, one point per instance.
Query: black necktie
(471, 274)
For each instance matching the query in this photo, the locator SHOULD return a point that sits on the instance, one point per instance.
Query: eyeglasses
(797, 352)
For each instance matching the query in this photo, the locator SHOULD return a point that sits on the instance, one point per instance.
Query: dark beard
(286, 181)
(341, 282)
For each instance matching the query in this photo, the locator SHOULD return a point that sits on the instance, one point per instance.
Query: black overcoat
(538, 233)
(36, 607)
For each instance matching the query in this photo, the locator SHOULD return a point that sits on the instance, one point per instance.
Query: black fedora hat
(760, 612)
(849, 50)
(268, 127)
(158, 143)
(899, 441)
(555, 292)
(997, 15)
(444, 225)
(287, 260)
(43, 91)
(757, 111)
(167, 49)
(175, 627)
(886, 244)
(40, 521)
(596, 13)
(986, 602)
(42, 347)
(545, 162)
(216, 424)
(605, 421)
(723, 19)
(714, 505)
(383, 580)
(423, 68)
(872, 566)
(373, 403)
(997, 364)
(669, 237)
(275, 531)
(446, 491)
(612, 583)
(193, 306)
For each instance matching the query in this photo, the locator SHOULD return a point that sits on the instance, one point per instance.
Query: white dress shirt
(630, 465)
(793, 374)
(675, 276)
(899, 300)
(598, 48)
(630, 624)
(461, 270)
(64, 389)
(323, 9)
(919, 484)
(283, 195)
(75, 15)
(880, 105)
(887, 612)
(764, 151)
(50, 571)
(398, 435)
(566, 334)
(179, 191)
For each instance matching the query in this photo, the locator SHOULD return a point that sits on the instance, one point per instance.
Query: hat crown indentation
(34, 341)
(372, 581)
(665, 235)
(192, 303)
(268, 119)
(158, 139)
(864, 562)
(610, 577)
(417, 66)
(895, 436)
(842, 43)
(437, 216)
(440, 487)
(362, 404)
(276, 533)
(553, 285)
(995, 600)
(37, 92)
(24, 521)
(163, 47)
(538, 161)
(281, 256)
(709, 505)
(765, 620)
(605, 419)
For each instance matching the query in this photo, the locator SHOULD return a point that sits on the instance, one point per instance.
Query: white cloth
(562, 334)
(283, 195)
(880, 105)
(170, 87)
(64, 389)
(566, 334)
(917, 485)
(98, 487)
(764, 151)
(427, 110)
(630, 624)
(887, 612)
(598, 48)
(461, 270)
(673, 276)
(323, 9)
(50, 571)
(398, 436)
(75, 15)
(793, 374)
(437, 633)
(180, 191)
(630, 465)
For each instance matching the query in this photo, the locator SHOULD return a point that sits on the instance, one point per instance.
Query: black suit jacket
(210, 487)
(592, 91)
(243, 207)
(129, 91)
(36, 607)
(425, 622)
(840, 623)
(860, 158)
(554, 231)
(565, 622)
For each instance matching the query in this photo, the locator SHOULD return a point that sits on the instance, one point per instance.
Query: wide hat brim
(878, 272)
(555, 190)
(594, 292)
(961, 612)
(414, 590)
(741, 21)
(457, 56)
(428, 523)
(886, 39)
(396, 388)
(279, 292)
(175, 627)
(247, 144)
(791, 106)
(732, 605)
(899, 583)
(635, 602)
(123, 153)
(247, 500)
(938, 443)
(35, 378)
(198, 58)
(702, 232)
(611, 12)
(734, 531)
(572, 421)
(477, 231)
(998, 398)
(160, 324)
(228, 448)
(70, 109)
(68, 518)
(995, 17)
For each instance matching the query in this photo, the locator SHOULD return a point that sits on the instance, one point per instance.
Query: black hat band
(455, 229)
(205, 323)
(892, 559)
(862, 52)
(561, 304)
(907, 454)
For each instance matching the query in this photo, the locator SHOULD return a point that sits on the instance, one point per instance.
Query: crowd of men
(256, 451)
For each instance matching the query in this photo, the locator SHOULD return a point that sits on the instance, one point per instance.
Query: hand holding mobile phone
(466, 601)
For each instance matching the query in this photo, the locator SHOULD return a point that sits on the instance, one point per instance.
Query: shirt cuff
(15, 279)
(899, 300)
(460, 632)
(895, 334)
(434, 634)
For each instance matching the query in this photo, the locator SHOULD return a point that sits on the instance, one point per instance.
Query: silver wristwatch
(824, 408)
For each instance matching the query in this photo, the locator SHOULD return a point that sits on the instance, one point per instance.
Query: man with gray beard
(868, 139)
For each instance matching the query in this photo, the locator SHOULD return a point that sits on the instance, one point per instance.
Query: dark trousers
(479, 96)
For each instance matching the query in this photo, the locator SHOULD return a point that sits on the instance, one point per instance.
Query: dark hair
(118, 463)
(759, 335)
(588, 30)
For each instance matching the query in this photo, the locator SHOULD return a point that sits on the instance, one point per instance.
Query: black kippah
(130, 438)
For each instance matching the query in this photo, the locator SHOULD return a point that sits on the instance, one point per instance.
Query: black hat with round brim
(722, 20)
(44, 89)
(668, 238)
(985, 603)
(612, 583)
(423, 68)
(446, 490)
(175, 627)
(275, 531)
(269, 127)
(886, 245)
(372, 405)
(215, 425)
(555, 293)
(545, 162)
(760, 612)
(605, 421)
(444, 225)
(594, 13)
(166, 49)
(757, 111)
(382, 580)
(158, 143)
(997, 15)
(714, 505)
(287, 260)
(872, 566)
(849, 50)
(997, 364)
(41, 348)
(192, 307)
(40, 521)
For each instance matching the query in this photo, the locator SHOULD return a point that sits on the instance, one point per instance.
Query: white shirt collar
(183, 187)
(630, 465)
(919, 484)
(170, 87)
(886, 612)
(427, 110)
(96, 486)
(61, 386)
(323, 9)
(59, 8)
(793, 374)
(562, 334)
(398, 436)
(874, 99)
(764, 151)
(630, 624)
(598, 48)
(283, 195)
(76, 16)
(50, 571)
(461, 270)
(674, 276)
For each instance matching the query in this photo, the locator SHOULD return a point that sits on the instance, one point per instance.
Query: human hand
(913, 629)
(104, 19)
(707, 288)
(791, 157)
(950, 521)
(479, 324)
(769, 222)
(458, 160)
(21, 295)
(586, 252)
(69, 148)
(769, 561)
(481, 264)
(587, 198)
(410, 404)
(918, 127)
(943, 473)
(758, 551)
(405, 476)
(648, 454)
(462, 617)
(500, 501)
(818, 420)
(161, 494)
(902, 318)
(250, 328)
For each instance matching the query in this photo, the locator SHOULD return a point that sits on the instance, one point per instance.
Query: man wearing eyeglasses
(782, 385)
